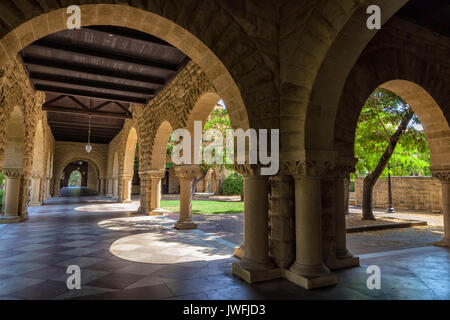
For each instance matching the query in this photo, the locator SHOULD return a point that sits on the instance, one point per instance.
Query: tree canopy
(379, 118)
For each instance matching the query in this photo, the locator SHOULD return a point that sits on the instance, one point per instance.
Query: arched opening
(79, 178)
(128, 167)
(75, 179)
(405, 190)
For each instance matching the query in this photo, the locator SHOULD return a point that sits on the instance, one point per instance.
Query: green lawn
(205, 206)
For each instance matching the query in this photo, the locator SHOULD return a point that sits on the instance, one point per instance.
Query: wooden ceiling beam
(101, 54)
(83, 124)
(89, 94)
(130, 35)
(70, 128)
(91, 83)
(89, 70)
(61, 109)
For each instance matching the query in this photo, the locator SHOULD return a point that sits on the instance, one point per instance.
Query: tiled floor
(123, 255)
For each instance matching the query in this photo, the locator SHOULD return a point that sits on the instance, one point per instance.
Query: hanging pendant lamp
(88, 146)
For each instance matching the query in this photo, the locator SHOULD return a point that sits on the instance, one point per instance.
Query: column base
(125, 201)
(444, 242)
(252, 276)
(35, 204)
(311, 282)
(157, 212)
(12, 219)
(309, 270)
(185, 225)
(239, 252)
(344, 263)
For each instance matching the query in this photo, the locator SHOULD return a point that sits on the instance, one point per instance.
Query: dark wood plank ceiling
(430, 14)
(98, 72)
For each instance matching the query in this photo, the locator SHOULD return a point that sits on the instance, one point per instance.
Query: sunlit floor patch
(108, 207)
(163, 244)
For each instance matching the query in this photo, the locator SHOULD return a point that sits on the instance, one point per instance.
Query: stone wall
(416, 193)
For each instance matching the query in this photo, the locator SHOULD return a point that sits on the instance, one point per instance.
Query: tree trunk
(196, 181)
(371, 179)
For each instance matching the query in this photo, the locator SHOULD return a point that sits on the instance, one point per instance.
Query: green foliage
(218, 119)
(2, 179)
(379, 119)
(233, 184)
(75, 178)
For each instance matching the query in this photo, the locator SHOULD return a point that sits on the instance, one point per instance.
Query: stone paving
(123, 255)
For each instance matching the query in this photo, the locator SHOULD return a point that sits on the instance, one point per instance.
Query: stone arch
(313, 77)
(129, 152)
(160, 146)
(201, 110)
(15, 139)
(115, 166)
(89, 158)
(177, 26)
(419, 89)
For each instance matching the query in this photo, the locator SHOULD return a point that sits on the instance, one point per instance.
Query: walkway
(123, 255)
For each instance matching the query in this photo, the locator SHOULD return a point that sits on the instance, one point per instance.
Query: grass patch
(206, 206)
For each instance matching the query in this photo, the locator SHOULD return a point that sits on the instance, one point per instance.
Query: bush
(233, 184)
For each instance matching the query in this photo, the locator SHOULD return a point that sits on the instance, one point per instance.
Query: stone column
(309, 270)
(444, 176)
(186, 175)
(145, 192)
(344, 259)
(35, 188)
(11, 198)
(155, 202)
(116, 188)
(102, 187)
(125, 196)
(56, 191)
(281, 220)
(255, 265)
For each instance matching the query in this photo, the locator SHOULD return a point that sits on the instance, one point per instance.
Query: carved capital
(35, 175)
(12, 172)
(248, 169)
(441, 174)
(126, 176)
(152, 174)
(186, 172)
(316, 169)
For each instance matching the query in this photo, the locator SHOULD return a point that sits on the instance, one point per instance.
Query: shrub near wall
(408, 193)
(233, 184)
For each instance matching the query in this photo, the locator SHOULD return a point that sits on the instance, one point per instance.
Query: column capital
(152, 173)
(186, 172)
(35, 175)
(12, 172)
(126, 176)
(442, 174)
(308, 168)
(252, 170)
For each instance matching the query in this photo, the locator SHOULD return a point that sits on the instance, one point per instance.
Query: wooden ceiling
(98, 72)
(431, 14)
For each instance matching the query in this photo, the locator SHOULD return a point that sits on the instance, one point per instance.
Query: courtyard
(125, 255)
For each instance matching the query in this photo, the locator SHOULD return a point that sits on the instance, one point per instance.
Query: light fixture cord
(89, 135)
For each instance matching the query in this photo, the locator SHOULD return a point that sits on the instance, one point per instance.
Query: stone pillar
(186, 175)
(344, 259)
(255, 265)
(125, 196)
(102, 187)
(145, 192)
(281, 220)
(155, 193)
(444, 176)
(309, 270)
(116, 188)
(11, 200)
(56, 191)
(35, 189)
